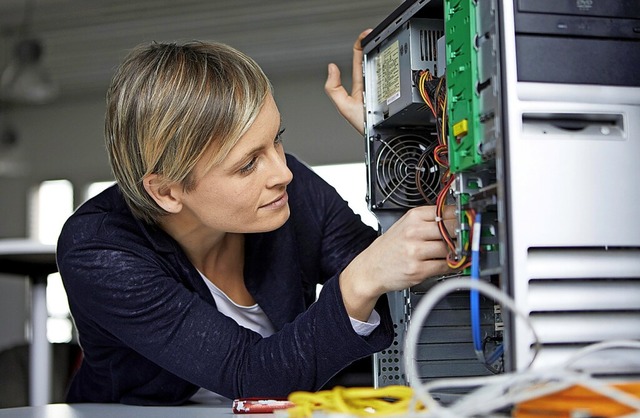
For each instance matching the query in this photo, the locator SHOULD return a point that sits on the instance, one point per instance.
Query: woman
(199, 268)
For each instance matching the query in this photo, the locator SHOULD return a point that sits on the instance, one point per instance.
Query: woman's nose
(279, 173)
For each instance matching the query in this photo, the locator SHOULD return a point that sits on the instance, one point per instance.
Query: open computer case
(526, 112)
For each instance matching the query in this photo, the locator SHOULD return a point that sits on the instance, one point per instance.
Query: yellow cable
(358, 401)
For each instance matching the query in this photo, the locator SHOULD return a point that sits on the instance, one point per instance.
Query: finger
(333, 84)
(449, 212)
(357, 83)
(427, 213)
(431, 250)
(452, 226)
(436, 268)
(335, 90)
(430, 268)
(430, 212)
(352, 110)
(416, 227)
(358, 44)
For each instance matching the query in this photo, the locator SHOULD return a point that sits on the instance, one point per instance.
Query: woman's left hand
(350, 106)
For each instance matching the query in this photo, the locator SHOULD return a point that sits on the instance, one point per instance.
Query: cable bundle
(386, 401)
(559, 391)
(527, 393)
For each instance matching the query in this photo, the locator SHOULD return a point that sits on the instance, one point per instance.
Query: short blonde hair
(167, 104)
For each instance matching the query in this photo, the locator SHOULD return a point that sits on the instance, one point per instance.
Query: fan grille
(404, 163)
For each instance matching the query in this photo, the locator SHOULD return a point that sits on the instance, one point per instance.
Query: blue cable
(496, 354)
(475, 295)
(476, 330)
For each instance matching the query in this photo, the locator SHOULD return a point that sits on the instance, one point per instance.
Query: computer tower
(403, 135)
(570, 139)
(542, 131)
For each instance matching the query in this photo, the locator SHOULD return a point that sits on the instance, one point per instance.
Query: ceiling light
(24, 80)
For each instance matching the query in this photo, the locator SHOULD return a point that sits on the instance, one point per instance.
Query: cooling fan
(405, 172)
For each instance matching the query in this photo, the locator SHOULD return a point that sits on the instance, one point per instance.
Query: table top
(124, 411)
(27, 257)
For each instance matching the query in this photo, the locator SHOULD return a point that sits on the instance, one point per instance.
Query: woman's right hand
(404, 256)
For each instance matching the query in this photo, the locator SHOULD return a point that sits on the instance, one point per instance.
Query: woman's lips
(278, 203)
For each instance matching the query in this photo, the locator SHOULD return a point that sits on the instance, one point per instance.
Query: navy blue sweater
(150, 330)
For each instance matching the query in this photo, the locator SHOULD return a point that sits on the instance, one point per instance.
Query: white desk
(35, 261)
(124, 411)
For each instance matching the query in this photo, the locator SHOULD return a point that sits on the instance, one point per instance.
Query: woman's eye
(249, 167)
(278, 139)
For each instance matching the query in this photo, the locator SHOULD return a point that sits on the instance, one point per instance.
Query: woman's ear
(168, 197)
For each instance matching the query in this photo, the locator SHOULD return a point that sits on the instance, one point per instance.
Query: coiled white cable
(497, 392)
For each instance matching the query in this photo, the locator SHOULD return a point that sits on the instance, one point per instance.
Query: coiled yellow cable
(358, 401)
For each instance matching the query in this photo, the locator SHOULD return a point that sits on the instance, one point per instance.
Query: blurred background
(56, 61)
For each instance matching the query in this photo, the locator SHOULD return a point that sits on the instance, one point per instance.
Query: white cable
(500, 391)
(421, 312)
(514, 388)
(603, 345)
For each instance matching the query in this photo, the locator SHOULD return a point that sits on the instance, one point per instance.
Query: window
(353, 190)
(96, 187)
(52, 203)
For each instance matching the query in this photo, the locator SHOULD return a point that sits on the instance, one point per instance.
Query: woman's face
(247, 192)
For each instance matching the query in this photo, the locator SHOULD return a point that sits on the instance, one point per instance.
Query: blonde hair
(167, 104)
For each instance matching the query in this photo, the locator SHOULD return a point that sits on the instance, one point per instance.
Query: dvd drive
(629, 9)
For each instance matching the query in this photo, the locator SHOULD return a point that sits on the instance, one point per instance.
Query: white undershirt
(254, 318)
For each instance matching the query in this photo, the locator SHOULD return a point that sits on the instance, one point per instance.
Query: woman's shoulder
(103, 218)
(309, 194)
(307, 183)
